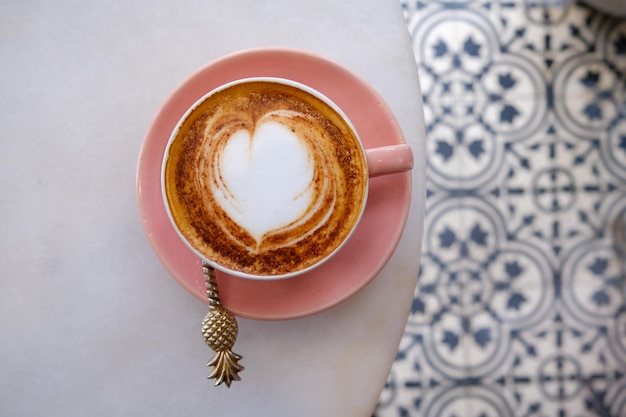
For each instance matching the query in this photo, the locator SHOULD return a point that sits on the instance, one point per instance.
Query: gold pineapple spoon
(219, 329)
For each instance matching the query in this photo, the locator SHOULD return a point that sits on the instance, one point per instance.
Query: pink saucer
(371, 245)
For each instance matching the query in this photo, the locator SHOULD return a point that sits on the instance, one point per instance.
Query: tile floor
(521, 303)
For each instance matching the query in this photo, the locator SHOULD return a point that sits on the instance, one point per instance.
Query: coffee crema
(265, 179)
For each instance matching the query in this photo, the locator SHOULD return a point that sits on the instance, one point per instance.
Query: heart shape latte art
(265, 180)
(267, 177)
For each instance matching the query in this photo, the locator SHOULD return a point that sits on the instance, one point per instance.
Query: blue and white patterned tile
(415, 385)
(547, 32)
(613, 152)
(520, 308)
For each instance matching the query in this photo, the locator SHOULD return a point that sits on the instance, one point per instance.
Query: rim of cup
(279, 80)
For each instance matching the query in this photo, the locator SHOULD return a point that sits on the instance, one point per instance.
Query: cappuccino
(264, 178)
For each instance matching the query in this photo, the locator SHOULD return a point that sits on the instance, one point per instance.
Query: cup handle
(389, 159)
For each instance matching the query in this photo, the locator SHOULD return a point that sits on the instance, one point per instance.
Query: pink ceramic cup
(380, 161)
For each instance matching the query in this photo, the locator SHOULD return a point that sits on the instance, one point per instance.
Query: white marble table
(91, 322)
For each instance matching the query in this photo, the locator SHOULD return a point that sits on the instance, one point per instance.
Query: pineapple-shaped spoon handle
(219, 329)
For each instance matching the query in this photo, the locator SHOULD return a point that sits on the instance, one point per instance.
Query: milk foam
(265, 179)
